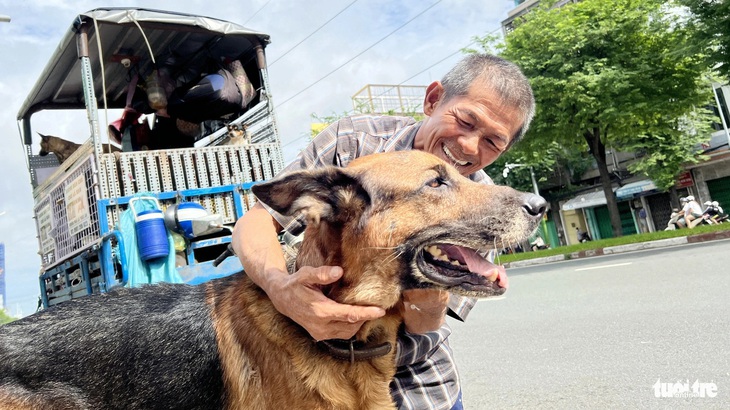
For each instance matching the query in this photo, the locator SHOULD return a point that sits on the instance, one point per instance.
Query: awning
(635, 189)
(585, 201)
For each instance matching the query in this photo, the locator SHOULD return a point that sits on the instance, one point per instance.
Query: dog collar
(353, 350)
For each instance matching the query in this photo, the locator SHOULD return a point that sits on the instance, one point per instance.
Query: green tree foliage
(670, 149)
(711, 22)
(554, 163)
(605, 74)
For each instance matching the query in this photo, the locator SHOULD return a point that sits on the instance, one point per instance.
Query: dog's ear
(322, 193)
(44, 137)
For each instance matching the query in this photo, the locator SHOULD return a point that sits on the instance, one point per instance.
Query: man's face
(469, 131)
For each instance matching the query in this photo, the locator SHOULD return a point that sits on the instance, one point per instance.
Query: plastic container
(151, 232)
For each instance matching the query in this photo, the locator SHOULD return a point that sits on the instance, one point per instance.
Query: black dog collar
(353, 350)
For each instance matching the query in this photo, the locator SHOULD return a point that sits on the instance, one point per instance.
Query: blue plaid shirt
(426, 378)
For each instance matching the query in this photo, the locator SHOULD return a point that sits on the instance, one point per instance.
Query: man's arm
(297, 296)
(424, 310)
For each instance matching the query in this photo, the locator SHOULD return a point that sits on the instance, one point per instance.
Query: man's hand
(299, 297)
(424, 310)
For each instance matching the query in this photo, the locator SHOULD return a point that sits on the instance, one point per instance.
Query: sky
(410, 42)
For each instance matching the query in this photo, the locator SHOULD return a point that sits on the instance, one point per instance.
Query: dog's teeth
(434, 250)
(443, 257)
(493, 277)
(455, 263)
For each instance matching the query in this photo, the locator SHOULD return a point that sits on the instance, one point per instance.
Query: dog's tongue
(476, 263)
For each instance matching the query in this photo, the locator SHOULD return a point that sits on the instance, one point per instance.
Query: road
(601, 332)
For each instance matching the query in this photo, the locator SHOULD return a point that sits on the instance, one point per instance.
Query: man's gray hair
(501, 75)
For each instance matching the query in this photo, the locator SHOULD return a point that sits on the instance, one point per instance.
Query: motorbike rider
(692, 212)
(687, 214)
(713, 212)
(582, 236)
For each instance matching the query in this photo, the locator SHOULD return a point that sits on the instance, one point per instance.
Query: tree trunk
(674, 198)
(598, 149)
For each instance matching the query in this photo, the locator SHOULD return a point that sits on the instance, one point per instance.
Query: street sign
(684, 180)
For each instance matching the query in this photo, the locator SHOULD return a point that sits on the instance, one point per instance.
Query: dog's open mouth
(462, 268)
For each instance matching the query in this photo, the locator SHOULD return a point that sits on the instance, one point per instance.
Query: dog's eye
(436, 183)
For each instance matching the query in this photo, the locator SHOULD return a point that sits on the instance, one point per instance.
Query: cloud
(38, 26)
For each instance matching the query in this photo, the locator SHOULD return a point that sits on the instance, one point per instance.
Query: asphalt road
(600, 332)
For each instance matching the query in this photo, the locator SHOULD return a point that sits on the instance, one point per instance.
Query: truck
(212, 137)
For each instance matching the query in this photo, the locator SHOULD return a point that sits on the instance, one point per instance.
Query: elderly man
(474, 114)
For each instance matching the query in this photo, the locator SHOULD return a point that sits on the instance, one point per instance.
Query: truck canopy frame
(186, 36)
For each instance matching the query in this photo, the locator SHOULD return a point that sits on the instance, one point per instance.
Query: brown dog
(63, 149)
(393, 221)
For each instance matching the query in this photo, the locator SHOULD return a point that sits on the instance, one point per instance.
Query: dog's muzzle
(462, 270)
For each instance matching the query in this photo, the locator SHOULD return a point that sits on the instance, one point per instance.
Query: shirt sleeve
(426, 377)
(320, 152)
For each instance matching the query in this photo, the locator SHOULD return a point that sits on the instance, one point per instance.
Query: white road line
(605, 266)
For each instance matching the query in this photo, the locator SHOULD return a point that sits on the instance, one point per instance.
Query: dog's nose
(534, 205)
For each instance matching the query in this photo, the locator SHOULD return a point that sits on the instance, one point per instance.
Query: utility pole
(505, 172)
(715, 87)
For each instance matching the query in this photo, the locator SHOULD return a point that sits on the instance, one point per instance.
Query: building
(522, 7)
(390, 99)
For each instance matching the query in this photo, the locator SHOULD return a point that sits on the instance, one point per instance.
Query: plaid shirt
(426, 377)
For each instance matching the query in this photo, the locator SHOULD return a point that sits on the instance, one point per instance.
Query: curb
(611, 250)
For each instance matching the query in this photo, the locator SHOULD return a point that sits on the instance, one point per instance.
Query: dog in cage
(63, 149)
(237, 134)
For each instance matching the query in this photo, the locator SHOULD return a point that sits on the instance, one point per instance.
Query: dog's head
(45, 145)
(403, 220)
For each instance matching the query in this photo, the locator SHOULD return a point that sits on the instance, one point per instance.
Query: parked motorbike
(582, 236)
(674, 218)
(539, 244)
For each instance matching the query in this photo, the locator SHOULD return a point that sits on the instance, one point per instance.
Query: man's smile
(453, 158)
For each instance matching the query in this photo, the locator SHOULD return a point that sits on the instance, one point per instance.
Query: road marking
(605, 266)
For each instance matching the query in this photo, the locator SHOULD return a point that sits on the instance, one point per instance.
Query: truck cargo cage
(78, 203)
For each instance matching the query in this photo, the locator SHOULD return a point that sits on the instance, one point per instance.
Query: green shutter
(720, 192)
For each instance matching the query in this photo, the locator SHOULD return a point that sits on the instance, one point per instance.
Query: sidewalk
(662, 243)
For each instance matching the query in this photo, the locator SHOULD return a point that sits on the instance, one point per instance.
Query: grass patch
(603, 243)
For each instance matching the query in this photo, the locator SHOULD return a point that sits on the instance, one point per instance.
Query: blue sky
(38, 25)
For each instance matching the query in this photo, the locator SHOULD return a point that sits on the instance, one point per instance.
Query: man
(644, 225)
(692, 212)
(479, 109)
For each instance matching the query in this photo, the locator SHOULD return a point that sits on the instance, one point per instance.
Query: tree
(605, 73)
(5, 318)
(711, 22)
(670, 149)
